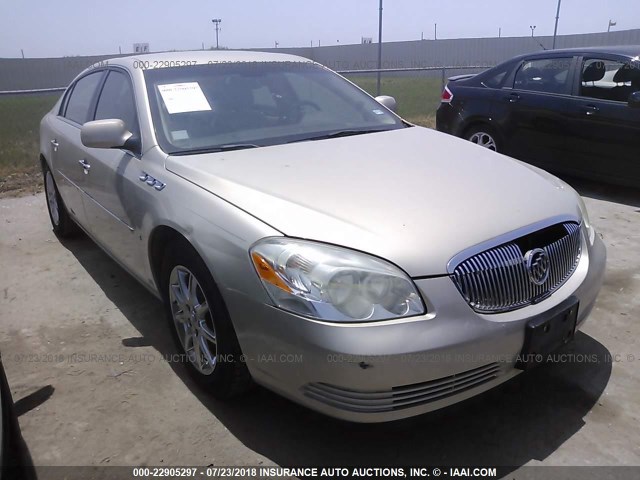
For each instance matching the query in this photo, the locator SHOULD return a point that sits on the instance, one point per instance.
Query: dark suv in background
(574, 111)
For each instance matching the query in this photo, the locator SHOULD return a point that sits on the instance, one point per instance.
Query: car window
(117, 101)
(81, 98)
(549, 75)
(495, 79)
(259, 103)
(609, 79)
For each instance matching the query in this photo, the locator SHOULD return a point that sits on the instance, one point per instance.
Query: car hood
(413, 196)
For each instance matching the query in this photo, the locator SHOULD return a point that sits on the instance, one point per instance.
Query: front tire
(484, 136)
(200, 324)
(62, 223)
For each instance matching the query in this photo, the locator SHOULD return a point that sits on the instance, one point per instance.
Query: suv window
(550, 75)
(81, 98)
(609, 79)
(117, 101)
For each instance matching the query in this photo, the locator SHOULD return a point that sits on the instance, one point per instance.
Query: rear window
(81, 98)
(495, 78)
(549, 75)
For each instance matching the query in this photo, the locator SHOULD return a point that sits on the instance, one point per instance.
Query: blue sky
(84, 27)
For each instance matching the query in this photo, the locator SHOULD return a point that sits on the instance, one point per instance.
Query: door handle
(85, 165)
(590, 109)
(513, 98)
(55, 144)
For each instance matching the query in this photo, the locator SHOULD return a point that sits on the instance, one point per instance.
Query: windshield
(242, 105)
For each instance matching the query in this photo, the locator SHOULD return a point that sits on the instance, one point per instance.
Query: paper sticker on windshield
(184, 97)
(180, 135)
(378, 112)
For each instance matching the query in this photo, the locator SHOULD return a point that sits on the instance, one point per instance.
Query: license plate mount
(544, 336)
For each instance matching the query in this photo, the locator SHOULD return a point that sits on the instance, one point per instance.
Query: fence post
(444, 75)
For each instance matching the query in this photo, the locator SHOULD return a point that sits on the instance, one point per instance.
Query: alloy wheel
(484, 140)
(193, 319)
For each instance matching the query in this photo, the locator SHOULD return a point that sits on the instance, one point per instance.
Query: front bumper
(389, 370)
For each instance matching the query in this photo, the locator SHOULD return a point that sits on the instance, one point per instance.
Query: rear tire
(484, 136)
(62, 223)
(200, 324)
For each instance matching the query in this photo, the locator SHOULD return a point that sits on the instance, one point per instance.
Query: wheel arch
(44, 162)
(476, 122)
(159, 239)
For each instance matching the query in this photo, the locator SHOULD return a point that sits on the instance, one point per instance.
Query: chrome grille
(405, 396)
(497, 279)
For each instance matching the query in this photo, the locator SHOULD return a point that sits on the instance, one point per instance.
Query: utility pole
(217, 22)
(500, 32)
(22, 51)
(555, 31)
(379, 46)
(435, 31)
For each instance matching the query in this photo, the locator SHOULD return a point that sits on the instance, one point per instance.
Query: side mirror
(110, 133)
(634, 100)
(388, 102)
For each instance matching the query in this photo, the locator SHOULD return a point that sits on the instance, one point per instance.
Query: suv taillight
(447, 96)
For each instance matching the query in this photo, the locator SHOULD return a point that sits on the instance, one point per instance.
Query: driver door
(114, 191)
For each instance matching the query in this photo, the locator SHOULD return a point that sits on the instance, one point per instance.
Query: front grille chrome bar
(497, 280)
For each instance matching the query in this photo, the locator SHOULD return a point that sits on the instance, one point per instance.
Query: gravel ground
(87, 353)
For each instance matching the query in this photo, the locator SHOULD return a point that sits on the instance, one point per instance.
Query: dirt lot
(86, 351)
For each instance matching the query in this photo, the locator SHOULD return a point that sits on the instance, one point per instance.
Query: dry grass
(19, 126)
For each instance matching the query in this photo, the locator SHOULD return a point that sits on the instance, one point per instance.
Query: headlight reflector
(332, 283)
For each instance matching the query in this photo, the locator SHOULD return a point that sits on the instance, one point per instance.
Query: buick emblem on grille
(538, 265)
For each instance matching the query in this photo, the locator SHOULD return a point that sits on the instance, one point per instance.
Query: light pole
(379, 47)
(217, 22)
(555, 31)
(611, 24)
(532, 27)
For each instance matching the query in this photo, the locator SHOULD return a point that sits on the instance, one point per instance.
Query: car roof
(173, 59)
(631, 51)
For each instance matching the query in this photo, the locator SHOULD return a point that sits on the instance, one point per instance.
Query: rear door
(532, 109)
(67, 149)
(604, 130)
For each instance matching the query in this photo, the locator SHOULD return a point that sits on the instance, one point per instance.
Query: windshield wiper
(222, 148)
(339, 133)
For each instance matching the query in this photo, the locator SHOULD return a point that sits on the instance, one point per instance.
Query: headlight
(591, 232)
(332, 283)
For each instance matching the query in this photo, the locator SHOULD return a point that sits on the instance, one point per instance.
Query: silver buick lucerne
(303, 236)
